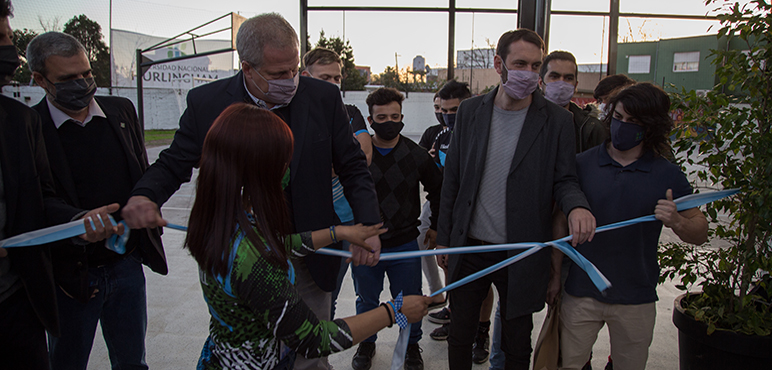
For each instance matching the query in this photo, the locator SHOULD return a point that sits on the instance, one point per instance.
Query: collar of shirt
(59, 117)
(258, 102)
(642, 164)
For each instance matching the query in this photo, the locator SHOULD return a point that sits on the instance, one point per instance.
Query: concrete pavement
(178, 317)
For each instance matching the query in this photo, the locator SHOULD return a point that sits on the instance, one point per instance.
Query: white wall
(417, 108)
(163, 107)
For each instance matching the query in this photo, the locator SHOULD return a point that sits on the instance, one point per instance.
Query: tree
(642, 34)
(50, 25)
(22, 38)
(89, 33)
(726, 136)
(353, 80)
(388, 78)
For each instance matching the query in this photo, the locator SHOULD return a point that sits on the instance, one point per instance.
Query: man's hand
(98, 225)
(442, 259)
(359, 256)
(430, 240)
(581, 224)
(667, 211)
(3, 252)
(358, 234)
(141, 212)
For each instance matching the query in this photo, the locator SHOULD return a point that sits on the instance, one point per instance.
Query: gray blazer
(542, 170)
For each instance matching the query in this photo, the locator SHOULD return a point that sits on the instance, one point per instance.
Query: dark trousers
(120, 306)
(465, 306)
(22, 336)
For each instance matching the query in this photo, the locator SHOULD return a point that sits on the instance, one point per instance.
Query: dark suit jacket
(589, 131)
(31, 204)
(323, 137)
(542, 169)
(71, 261)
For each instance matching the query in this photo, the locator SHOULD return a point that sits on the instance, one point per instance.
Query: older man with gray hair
(269, 53)
(84, 135)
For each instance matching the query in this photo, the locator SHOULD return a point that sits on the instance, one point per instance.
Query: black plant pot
(721, 350)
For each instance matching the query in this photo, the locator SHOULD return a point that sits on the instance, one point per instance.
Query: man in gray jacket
(512, 157)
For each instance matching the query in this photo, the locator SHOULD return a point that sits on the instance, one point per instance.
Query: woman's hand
(358, 233)
(415, 307)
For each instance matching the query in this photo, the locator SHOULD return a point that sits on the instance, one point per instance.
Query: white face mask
(603, 111)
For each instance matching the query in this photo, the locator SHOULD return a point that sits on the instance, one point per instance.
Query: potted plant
(726, 142)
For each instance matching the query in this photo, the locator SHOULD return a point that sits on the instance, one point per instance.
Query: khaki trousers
(631, 328)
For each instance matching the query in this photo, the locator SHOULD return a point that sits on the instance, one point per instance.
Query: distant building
(364, 71)
(475, 58)
(588, 77)
(419, 63)
(684, 62)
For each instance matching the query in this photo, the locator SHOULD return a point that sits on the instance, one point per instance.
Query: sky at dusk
(377, 36)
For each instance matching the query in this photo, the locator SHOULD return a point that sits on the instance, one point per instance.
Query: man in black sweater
(399, 165)
(97, 154)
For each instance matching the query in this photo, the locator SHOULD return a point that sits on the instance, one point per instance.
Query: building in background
(364, 71)
(683, 62)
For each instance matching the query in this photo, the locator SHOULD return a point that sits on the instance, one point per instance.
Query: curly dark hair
(650, 106)
(383, 96)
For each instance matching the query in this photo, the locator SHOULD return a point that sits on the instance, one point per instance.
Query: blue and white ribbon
(399, 317)
(118, 243)
(61, 232)
(400, 349)
(598, 279)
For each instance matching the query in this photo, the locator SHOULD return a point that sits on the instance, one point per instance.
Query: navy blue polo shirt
(627, 256)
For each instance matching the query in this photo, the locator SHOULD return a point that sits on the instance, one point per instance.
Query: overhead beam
(613, 34)
(451, 39)
(304, 27)
(532, 14)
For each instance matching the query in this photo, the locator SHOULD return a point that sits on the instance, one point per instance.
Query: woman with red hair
(239, 233)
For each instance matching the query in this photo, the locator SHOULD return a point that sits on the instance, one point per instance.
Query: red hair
(245, 155)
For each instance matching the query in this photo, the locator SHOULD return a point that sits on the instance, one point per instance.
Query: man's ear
(245, 66)
(305, 73)
(370, 120)
(40, 79)
(497, 63)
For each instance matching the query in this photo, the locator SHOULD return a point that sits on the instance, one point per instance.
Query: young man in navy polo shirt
(624, 179)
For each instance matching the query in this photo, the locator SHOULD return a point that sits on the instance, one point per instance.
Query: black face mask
(74, 95)
(438, 115)
(450, 120)
(9, 61)
(387, 130)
